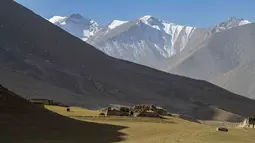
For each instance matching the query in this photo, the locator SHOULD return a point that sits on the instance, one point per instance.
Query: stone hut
(143, 107)
(162, 111)
(116, 110)
(144, 110)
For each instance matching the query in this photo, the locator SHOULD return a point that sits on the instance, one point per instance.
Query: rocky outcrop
(248, 122)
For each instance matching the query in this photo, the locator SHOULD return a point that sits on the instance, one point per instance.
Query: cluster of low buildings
(140, 110)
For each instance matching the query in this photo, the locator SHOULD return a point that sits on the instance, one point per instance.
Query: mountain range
(145, 40)
(211, 54)
(48, 62)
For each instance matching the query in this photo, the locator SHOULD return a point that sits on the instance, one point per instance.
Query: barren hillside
(49, 62)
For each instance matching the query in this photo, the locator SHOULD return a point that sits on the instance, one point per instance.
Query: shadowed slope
(45, 57)
(23, 122)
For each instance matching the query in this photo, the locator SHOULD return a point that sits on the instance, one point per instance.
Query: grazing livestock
(102, 114)
(222, 129)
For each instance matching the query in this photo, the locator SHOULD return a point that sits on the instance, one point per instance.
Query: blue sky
(201, 13)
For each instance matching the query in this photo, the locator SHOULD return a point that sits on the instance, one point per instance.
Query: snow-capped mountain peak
(233, 21)
(168, 27)
(77, 25)
(230, 23)
(145, 18)
(150, 20)
(146, 40)
(116, 23)
(78, 19)
(56, 19)
(76, 16)
(142, 38)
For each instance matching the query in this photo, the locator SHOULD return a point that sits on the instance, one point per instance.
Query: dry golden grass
(74, 111)
(170, 130)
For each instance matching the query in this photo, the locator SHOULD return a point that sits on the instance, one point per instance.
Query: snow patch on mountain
(243, 22)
